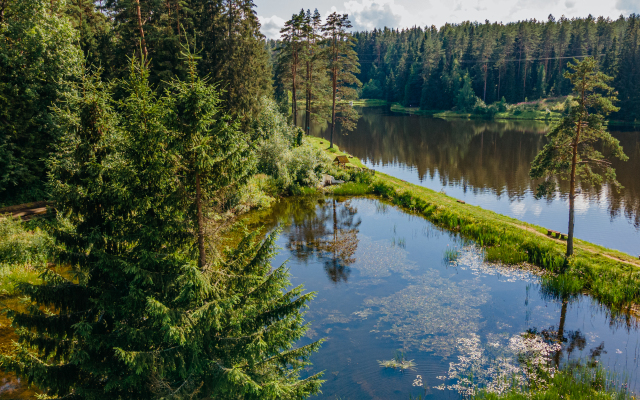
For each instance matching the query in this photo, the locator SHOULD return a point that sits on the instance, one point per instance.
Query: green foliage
(371, 90)
(466, 98)
(141, 317)
(22, 246)
(37, 56)
(289, 166)
(21, 250)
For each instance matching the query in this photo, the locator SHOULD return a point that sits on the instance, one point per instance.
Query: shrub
(280, 157)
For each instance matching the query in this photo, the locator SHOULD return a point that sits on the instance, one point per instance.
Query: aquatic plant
(431, 313)
(398, 362)
(524, 364)
(450, 255)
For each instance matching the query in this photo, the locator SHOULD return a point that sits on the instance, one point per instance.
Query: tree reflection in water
(331, 235)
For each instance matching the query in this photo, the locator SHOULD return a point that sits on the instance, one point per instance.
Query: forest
(148, 129)
(434, 68)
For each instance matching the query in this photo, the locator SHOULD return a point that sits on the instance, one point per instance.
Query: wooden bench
(557, 234)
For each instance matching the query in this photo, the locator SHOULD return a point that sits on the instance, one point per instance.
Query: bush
(280, 157)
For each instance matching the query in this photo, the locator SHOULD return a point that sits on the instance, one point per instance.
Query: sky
(369, 14)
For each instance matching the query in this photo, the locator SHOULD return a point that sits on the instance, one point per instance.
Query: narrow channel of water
(390, 283)
(486, 163)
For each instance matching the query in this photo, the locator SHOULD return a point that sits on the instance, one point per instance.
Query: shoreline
(539, 116)
(610, 276)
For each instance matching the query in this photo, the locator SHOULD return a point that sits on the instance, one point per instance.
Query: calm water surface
(486, 163)
(386, 284)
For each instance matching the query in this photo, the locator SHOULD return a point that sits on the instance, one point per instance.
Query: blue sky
(369, 14)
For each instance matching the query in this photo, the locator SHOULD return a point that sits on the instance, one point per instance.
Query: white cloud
(369, 14)
(628, 6)
(271, 26)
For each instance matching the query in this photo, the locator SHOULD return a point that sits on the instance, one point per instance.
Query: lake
(486, 163)
(390, 284)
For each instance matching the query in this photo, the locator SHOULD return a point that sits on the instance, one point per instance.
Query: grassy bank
(610, 276)
(575, 383)
(524, 114)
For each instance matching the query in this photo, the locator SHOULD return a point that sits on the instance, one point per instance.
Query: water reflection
(376, 299)
(487, 163)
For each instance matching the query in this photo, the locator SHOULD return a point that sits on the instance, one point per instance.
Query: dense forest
(148, 127)
(522, 61)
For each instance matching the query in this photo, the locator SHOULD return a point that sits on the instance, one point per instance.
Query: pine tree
(343, 65)
(138, 318)
(94, 31)
(316, 77)
(628, 82)
(571, 152)
(290, 55)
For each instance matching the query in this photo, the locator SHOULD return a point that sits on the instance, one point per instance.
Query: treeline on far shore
(436, 68)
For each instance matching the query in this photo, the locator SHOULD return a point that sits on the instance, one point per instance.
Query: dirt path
(25, 211)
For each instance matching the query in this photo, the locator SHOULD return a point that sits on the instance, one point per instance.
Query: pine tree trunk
(333, 106)
(307, 119)
(144, 44)
(572, 187)
(201, 251)
(294, 105)
(484, 97)
(499, 78)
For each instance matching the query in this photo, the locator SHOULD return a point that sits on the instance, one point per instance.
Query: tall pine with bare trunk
(343, 65)
(572, 152)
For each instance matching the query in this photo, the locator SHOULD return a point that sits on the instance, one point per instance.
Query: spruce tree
(343, 65)
(215, 155)
(38, 55)
(137, 317)
(234, 53)
(571, 152)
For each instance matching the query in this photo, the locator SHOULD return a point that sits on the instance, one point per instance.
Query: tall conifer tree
(343, 65)
(571, 152)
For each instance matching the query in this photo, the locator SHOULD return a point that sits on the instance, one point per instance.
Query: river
(486, 163)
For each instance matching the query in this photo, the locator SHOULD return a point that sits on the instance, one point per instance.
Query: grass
(575, 383)
(323, 144)
(610, 276)
(23, 245)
